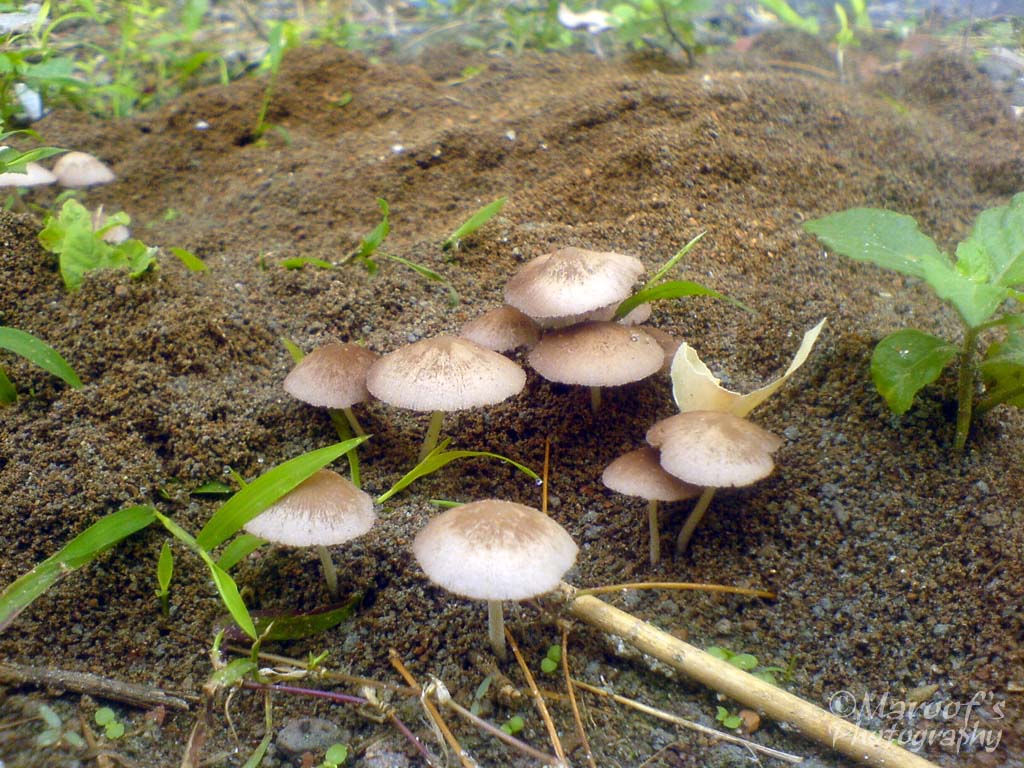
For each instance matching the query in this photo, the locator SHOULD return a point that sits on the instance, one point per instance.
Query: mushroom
(444, 373)
(501, 329)
(333, 376)
(715, 450)
(80, 170)
(638, 473)
(571, 282)
(596, 355)
(323, 510)
(495, 550)
(34, 175)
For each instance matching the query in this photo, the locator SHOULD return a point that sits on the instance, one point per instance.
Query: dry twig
(537, 698)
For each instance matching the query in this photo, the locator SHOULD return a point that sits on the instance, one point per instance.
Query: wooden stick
(464, 758)
(538, 700)
(780, 705)
(144, 696)
(587, 752)
(670, 718)
(676, 585)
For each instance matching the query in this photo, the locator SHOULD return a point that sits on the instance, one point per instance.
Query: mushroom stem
(595, 399)
(330, 573)
(652, 524)
(694, 520)
(341, 426)
(353, 422)
(433, 432)
(496, 628)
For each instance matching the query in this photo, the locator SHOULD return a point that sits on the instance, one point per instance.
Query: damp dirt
(897, 564)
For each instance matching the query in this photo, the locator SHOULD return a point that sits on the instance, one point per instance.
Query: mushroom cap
(331, 376)
(638, 473)
(34, 176)
(712, 448)
(501, 329)
(444, 373)
(596, 355)
(572, 281)
(667, 341)
(325, 509)
(79, 170)
(495, 550)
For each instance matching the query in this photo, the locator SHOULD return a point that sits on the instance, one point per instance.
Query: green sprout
(987, 272)
(283, 36)
(164, 572)
(728, 719)
(845, 38)
(35, 351)
(513, 725)
(107, 720)
(55, 734)
(791, 18)
(549, 664)
(335, 756)
(472, 224)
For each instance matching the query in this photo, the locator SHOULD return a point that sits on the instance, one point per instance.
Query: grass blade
(8, 394)
(97, 538)
(473, 223)
(672, 262)
(265, 490)
(192, 262)
(40, 353)
(239, 549)
(673, 289)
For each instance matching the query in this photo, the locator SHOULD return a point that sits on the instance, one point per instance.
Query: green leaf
(234, 672)
(164, 568)
(192, 262)
(473, 223)
(293, 349)
(301, 261)
(548, 666)
(97, 538)
(438, 458)
(372, 241)
(744, 661)
(298, 626)
(672, 289)
(787, 15)
(8, 394)
(1003, 370)
(429, 274)
(240, 548)
(994, 251)
(213, 488)
(40, 353)
(265, 490)
(103, 716)
(904, 362)
(668, 265)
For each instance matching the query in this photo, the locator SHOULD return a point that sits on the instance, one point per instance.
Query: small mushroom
(638, 473)
(444, 373)
(570, 282)
(501, 329)
(324, 510)
(495, 550)
(596, 355)
(333, 376)
(34, 175)
(714, 450)
(80, 170)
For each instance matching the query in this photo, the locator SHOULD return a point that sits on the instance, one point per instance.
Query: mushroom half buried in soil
(495, 550)
(571, 282)
(714, 450)
(596, 355)
(638, 473)
(442, 374)
(323, 510)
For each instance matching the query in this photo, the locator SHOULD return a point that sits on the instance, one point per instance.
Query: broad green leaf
(904, 362)
(671, 289)
(234, 672)
(240, 548)
(192, 262)
(97, 538)
(40, 353)
(1003, 370)
(744, 661)
(265, 490)
(439, 458)
(994, 251)
(473, 223)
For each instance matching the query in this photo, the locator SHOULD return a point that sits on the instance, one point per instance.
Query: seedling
(35, 351)
(549, 664)
(988, 270)
(284, 35)
(164, 572)
(107, 720)
(728, 719)
(82, 249)
(513, 725)
(335, 756)
(788, 16)
(472, 224)
(192, 262)
(748, 663)
(55, 734)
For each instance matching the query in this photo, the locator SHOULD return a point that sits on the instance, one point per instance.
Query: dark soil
(897, 563)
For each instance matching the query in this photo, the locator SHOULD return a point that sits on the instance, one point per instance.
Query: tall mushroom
(495, 550)
(324, 510)
(333, 376)
(638, 473)
(444, 373)
(714, 450)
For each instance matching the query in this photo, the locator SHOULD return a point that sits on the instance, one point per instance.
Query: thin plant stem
(432, 711)
(341, 426)
(325, 674)
(353, 422)
(496, 628)
(965, 389)
(595, 399)
(580, 730)
(694, 520)
(655, 533)
(433, 432)
(544, 476)
(611, 588)
(538, 700)
(330, 573)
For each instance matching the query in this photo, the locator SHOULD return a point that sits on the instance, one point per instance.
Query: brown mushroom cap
(324, 510)
(572, 281)
(596, 355)
(714, 449)
(444, 373)
(80, 170)
(331, 376)
(638, 473)
(501, 329)
(495, 550)
(668, 342)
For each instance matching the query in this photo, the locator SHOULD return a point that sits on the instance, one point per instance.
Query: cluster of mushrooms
(560, 306)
